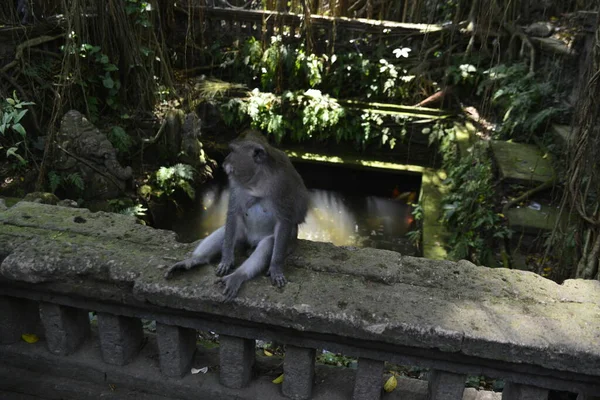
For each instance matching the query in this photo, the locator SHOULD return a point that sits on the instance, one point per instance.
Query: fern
(76, 180)
(169, 179)
(537, 119)
(54, 180)
(135, 211)
(526, 103)
(187, 188)
(120, 139)
(184, 171)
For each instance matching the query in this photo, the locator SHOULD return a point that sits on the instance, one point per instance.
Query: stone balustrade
(457, 319)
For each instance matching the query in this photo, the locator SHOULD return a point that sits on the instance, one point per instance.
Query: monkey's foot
(277, 277)
(224, 268)
(232, 282)
(185, 264)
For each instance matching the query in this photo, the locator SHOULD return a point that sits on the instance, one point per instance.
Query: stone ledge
(521, 163)
(369, 295)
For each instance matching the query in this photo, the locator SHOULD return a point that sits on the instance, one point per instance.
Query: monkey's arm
(283, 232)
(257, 262)
(231, 226)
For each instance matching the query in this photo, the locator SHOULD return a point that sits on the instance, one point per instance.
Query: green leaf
(13, 152)
(54, 179)
(19, 128)
(110, 67)
(20, 115)
(108, 82)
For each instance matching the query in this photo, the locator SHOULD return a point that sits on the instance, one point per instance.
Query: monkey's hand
(232, 282)
(224, 267)
(276, 274)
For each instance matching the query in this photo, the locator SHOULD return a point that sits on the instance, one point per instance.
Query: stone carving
(191, 146)
(83, 149)
(183, 133)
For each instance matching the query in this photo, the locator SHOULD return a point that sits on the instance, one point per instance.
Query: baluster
(446, 385)
(120, 338)
(270, 26)
(516, 391)
(176, 347)
(236, 361)
(237, 28)
(367, 384)
(299, 372)
(19, 316)
(66, 328)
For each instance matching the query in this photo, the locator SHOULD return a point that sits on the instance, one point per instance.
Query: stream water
(348, 208)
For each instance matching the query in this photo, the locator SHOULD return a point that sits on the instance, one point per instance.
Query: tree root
(546, 185)
(26, 44)
(516, 32)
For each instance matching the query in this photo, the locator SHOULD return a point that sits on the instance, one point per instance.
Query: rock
(41, 197)
(68, 203)
(540, 29)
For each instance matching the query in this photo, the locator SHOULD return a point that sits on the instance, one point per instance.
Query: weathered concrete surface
(521, 163)
(527, 220)
(365, 294)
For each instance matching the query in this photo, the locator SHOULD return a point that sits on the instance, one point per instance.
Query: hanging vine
(583, 184)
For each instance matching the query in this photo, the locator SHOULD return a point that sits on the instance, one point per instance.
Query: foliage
(348, 74)
(168, 180)
(463, 74)
(339, 360)
(99, 78)
(120, 139)
(137, 210)
(140, 10)
(66, 181)
(524, 102)
(469, 208)
(444, 136)
(320, 112)
(302, 115)
(12, 134)
(415, 235)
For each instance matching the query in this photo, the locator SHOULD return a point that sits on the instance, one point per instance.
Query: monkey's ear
(259, 155)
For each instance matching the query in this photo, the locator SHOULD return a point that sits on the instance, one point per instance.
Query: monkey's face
(246, 159)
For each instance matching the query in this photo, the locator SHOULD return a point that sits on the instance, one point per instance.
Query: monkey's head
(248, 160)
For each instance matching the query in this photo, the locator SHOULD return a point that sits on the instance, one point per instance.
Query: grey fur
(267, 202)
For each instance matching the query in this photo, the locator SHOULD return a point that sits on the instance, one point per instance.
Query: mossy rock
(521, 163)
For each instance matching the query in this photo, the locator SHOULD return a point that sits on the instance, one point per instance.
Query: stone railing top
(359, 294)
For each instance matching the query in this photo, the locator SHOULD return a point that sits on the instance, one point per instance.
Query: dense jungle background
(125, 105)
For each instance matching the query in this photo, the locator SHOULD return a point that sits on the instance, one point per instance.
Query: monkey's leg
(283, 233)
(256, 263)
(207, 250)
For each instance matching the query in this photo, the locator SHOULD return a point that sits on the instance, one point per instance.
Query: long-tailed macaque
(267, 201)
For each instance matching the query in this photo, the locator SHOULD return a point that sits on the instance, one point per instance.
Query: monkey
(267, 202)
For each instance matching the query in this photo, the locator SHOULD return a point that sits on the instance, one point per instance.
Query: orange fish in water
(408, 197)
